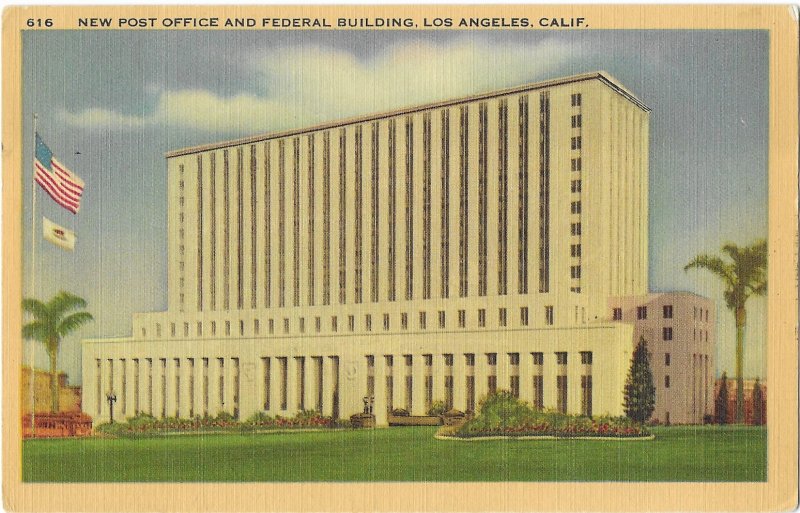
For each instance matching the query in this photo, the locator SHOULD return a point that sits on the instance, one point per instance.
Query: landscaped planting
(502, 414)
(144, 424)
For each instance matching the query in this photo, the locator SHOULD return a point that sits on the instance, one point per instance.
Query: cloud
(303, 85)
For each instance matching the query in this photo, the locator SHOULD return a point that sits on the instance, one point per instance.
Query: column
(172, 399)
(504, 370)
(438, 372)
(291, 385)
(459, 377)
(549, 372)
(526, 377)
(301, 384)
(326, 386)
(418, 382)
(335, 389)
(379, 407)
(481, 378)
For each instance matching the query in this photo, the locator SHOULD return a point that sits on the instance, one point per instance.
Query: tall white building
(431, 253)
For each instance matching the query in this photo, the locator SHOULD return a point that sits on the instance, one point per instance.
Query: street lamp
(111, 397)
(368, 402)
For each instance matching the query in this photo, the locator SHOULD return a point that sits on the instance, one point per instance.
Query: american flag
(60, 183)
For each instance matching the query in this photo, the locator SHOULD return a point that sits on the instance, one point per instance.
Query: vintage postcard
(400, 258)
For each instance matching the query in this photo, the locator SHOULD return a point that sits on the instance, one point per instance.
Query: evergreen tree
(758, 404)
(721, 402)
(640, 393)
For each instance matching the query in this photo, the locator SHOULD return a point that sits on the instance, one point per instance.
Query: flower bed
(504, 415)
(144, 424)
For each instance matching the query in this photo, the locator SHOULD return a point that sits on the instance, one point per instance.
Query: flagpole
(33, 283)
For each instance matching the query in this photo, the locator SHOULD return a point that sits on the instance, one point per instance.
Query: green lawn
(401, 454)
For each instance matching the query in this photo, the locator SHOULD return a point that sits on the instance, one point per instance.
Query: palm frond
(72, 322)
(64, 302)
(35, 330)
(715, 265)
(35, 307)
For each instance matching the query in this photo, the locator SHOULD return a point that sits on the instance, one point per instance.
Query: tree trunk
(53, 354)
(741, 318)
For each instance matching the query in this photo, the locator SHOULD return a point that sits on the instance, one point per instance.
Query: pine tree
(640, 393)
(758, 404)
(721, 401)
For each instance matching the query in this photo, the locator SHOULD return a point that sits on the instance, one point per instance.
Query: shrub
(504, 414)
(437, 408)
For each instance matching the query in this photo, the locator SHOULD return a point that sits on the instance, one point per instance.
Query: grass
(680, 453)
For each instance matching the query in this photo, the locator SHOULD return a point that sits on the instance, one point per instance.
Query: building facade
(432, 253)
(680, 330)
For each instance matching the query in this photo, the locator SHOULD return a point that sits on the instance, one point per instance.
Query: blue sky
(124, 98)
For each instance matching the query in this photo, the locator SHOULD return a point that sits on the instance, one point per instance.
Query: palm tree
(50, 323)
(744, 275)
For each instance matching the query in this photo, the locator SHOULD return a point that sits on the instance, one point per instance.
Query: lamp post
(111, 397)
(368, 402)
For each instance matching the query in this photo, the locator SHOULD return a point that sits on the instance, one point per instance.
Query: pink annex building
(680, 330)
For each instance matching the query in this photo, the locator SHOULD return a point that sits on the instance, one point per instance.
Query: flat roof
(602, 76)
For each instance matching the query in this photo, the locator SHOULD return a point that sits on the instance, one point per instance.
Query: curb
(545, 437)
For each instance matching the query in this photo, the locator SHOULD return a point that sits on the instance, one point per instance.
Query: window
(576, 100)
(482, 317)
(317, 324)
(706, 315)
(271, 324)
(503, 317)
(286, 325)
(668, 333)
(462, 318)
(491, 359)
(404, 320)
(668, 311)
(213, 327)
(617, 314)
(575, 186)
(575, 207)
(386, 322)
(577, 121)
(228, 328)
(561, 358)
(575, 250)
(548, 315)
(441, 319)
(576, 142)
(666, 359)
(575, 228)
(351, 322)
(523, 314)
(172, 329)
(586, 357)
(302, 324)
(255, 326)
(641, 312)
(368, 322)
(423, 321)
(576, 164)
(666, 381)
(575, 271)
(334, 324)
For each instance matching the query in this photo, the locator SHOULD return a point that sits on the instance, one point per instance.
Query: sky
(111, 103)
